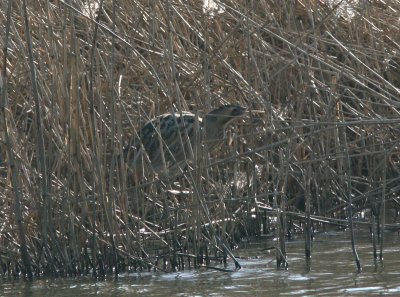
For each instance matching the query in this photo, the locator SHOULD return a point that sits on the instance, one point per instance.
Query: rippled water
(332, 273)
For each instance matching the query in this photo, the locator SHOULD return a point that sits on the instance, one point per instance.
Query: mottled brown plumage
(169, 140)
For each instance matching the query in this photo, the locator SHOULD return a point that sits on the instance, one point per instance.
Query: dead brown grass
(321, 81)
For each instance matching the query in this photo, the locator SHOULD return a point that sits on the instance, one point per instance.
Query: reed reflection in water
(332, 273)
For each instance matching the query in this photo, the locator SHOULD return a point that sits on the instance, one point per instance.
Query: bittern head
(226, 113)
(216, 121)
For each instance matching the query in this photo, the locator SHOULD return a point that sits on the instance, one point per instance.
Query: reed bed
(318, 148)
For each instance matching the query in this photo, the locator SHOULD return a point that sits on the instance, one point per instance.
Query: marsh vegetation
(319, 146)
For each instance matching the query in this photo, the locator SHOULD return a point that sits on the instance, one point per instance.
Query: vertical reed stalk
(307, 225)
(110, 208)
(383, 206)
(281, 261)
(349, 194)
(96, 175)
(14, 165)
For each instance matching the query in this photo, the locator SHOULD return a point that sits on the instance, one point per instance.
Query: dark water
(332, 273)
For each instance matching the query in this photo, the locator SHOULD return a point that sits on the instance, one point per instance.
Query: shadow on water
(332, 272)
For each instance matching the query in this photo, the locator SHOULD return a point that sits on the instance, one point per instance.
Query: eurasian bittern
(169, 140)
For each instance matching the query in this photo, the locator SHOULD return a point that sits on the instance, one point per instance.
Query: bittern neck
(214, 130)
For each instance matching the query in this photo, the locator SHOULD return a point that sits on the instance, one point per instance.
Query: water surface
(332, 273)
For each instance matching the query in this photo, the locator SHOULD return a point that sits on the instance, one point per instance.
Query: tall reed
(320, 80)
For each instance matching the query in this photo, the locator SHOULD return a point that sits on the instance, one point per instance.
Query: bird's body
(170, 140)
